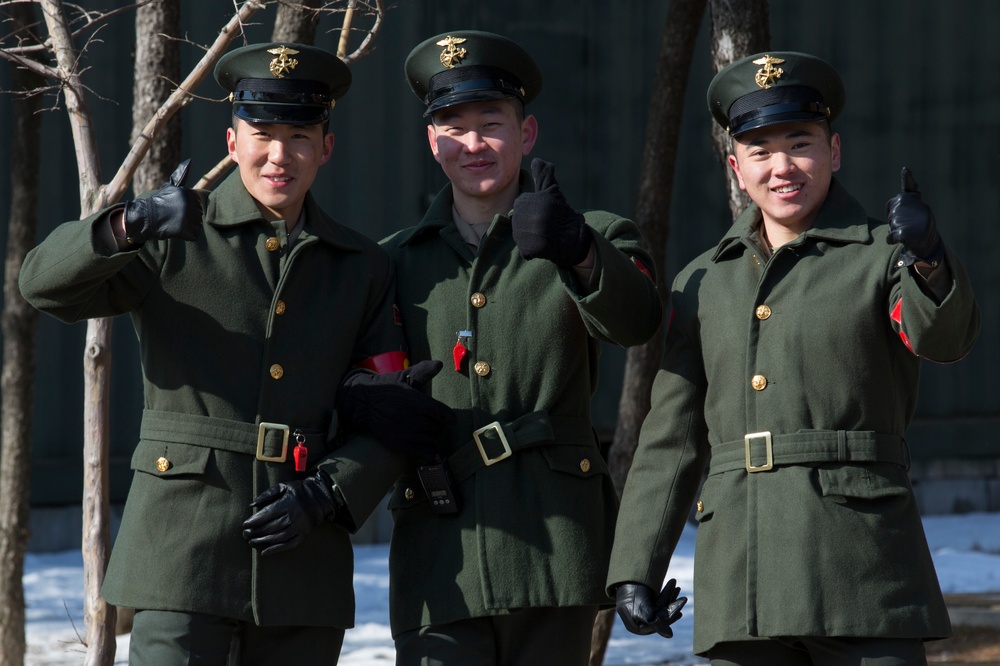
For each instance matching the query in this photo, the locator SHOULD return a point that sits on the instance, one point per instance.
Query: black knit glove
(287, 512)
(911, 224)
(643, 612)
(171, 212)
(545, 226)
(394, 409)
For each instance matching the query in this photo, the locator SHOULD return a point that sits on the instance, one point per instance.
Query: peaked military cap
(289, 84)
(775, 87)
(470, 66)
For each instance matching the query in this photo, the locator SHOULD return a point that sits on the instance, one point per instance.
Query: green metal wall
(923, 91)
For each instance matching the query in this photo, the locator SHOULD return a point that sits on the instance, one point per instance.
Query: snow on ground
(966, 552)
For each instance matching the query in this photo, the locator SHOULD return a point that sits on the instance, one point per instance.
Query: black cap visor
(776, 114)
(281, 114)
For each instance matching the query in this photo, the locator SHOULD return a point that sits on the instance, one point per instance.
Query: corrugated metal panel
(922, 91)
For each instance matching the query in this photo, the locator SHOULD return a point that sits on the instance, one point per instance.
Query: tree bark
(296, 22)
(17, 382)
(659, 159)
(739, 28)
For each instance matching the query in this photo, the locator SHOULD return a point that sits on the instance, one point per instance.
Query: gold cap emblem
(282, 64)
(768, 74)
(452, 54)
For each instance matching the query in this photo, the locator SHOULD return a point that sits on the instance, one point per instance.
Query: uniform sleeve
(669, 462)
(70, 278)
(941, 330)
(380, 344)
(624, 306)
(363, 471)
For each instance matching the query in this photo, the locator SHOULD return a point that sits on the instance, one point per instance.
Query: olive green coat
(217, 318)
(536, 528)
(828, 542)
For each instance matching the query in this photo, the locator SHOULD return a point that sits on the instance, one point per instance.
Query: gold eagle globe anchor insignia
(452, 54)
(282, 64)
(768, 75)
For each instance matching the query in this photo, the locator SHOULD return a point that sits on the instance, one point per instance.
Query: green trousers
(165, 638)
(550, 636)
(821, 651)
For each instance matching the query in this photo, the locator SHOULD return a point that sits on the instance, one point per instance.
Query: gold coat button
(409, 494)
(763, 312)
(585, 465)
(758, 382)
(482, 368)
(478, 300)
(162, 464)
(701, 506)
(277, 371)
(272, 243)
(279, 308)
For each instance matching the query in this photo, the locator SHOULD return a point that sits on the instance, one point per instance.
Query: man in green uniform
(500, 549)
(790, 375)
(251, 306)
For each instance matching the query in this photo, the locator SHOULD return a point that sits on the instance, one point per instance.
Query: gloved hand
(911, 223)
(171, 212)
(544, 225)
(642, 614)
(287, 512)
(394, 410)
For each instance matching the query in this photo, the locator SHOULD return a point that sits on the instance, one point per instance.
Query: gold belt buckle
(264, 427)
(503, 440)
(768, 451)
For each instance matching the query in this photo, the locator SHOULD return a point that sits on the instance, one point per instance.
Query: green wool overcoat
(535, 528)
(235, 328)
(820, 347)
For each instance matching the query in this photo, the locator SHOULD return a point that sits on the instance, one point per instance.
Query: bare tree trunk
(739, 28)
(659, 159)
(19, 322)
(296, 23)
(99, 617)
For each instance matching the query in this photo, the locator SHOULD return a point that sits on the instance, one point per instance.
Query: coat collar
(841, 219)
(439, 216)
(230, 205)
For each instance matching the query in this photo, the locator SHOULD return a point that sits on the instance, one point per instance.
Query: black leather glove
(287, 512)
(392, 407)
(911, 223)
(171, 212)
(643, 614)
(544, 225)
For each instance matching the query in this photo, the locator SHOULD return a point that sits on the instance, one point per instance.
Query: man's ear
(529, 134)
(735, 166)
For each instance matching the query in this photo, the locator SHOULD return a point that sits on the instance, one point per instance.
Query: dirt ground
(969, 645)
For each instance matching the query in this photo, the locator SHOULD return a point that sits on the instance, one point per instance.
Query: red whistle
(300, 453)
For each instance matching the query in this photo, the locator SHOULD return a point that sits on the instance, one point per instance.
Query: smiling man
(251, 305)
(500, 547)
(790, 376)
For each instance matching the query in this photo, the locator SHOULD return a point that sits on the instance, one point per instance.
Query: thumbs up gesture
(172, 211)
(545, 226)
(911, 224)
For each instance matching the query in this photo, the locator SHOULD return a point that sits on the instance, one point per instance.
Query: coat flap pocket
(406, 493)
(582, 461)
(170, 458)
(868, 481)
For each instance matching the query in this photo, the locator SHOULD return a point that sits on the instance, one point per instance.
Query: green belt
(761, 451)
(498, 441)
(267, 441)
